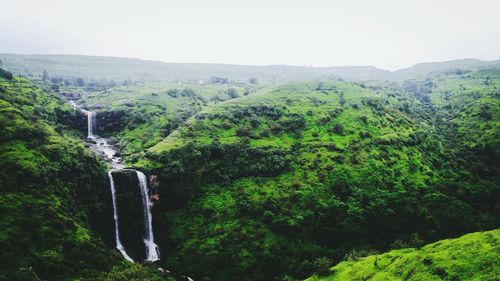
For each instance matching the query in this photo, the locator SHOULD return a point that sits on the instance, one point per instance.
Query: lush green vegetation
(135, 272)
(140, 116)
(52, 190)
(255, 182)
(360, 167)
(470, 257)
(54, 195)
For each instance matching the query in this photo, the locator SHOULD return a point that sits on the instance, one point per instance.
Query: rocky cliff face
(109, 122)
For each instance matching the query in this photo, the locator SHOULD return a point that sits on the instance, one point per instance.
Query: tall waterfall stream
(103, 147)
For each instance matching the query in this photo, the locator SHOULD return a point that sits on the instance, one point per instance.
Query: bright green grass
(302, 99)
(152, 94)
(470, 103)
(150, 109)
(474, 256)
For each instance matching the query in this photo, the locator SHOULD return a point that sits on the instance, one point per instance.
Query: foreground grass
(473, 256)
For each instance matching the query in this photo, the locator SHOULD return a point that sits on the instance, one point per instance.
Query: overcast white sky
(389, 34)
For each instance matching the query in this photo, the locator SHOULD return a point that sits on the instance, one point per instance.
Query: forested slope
(267, 185)
(251, 182)
(52, 190)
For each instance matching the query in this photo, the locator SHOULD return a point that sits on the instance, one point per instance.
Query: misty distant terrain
(120, 69)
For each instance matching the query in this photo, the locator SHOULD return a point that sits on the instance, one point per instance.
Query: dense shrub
(6, 74)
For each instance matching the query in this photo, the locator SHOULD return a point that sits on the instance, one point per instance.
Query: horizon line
(254, 65)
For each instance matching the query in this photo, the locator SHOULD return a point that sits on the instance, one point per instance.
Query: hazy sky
(389, 34)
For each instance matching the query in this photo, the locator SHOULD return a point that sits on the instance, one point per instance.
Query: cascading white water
(152, 251)
(101, 146)
(90, 123)
(119, 245)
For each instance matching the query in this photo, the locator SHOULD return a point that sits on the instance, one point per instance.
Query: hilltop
(470, 257)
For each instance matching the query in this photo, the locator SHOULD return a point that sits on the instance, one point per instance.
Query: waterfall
(107, 151)
(119, 245)
(90, 123)
(152, 251)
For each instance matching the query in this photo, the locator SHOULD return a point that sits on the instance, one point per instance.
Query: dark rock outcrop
(130, 212)
(109, 122)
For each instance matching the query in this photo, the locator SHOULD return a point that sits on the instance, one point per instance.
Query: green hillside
(55, 216)
(269, 184)
(422, 69)
(473, 256)
(51, 190)
(140, 116)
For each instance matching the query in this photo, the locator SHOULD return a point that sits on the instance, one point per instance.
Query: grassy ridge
(473, 256)
(140, 116)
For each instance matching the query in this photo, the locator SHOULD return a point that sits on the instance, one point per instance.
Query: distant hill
(422, 69)
(471, 257)
(95, 67)
(114, 68)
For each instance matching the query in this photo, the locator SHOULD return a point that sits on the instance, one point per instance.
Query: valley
(218, 172)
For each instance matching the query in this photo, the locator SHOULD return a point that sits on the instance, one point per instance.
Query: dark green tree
(45, 76)
(342, 99)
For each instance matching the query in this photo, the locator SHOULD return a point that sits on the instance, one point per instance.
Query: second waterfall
(151, 250)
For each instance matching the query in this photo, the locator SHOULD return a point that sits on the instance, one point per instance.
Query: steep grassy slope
(468, 112)
(54, 211)
(474, 256)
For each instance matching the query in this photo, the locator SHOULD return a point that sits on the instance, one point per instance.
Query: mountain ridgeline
(94, 68)
(245, 172)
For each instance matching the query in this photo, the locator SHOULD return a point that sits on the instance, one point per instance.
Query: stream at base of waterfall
(102, 146)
